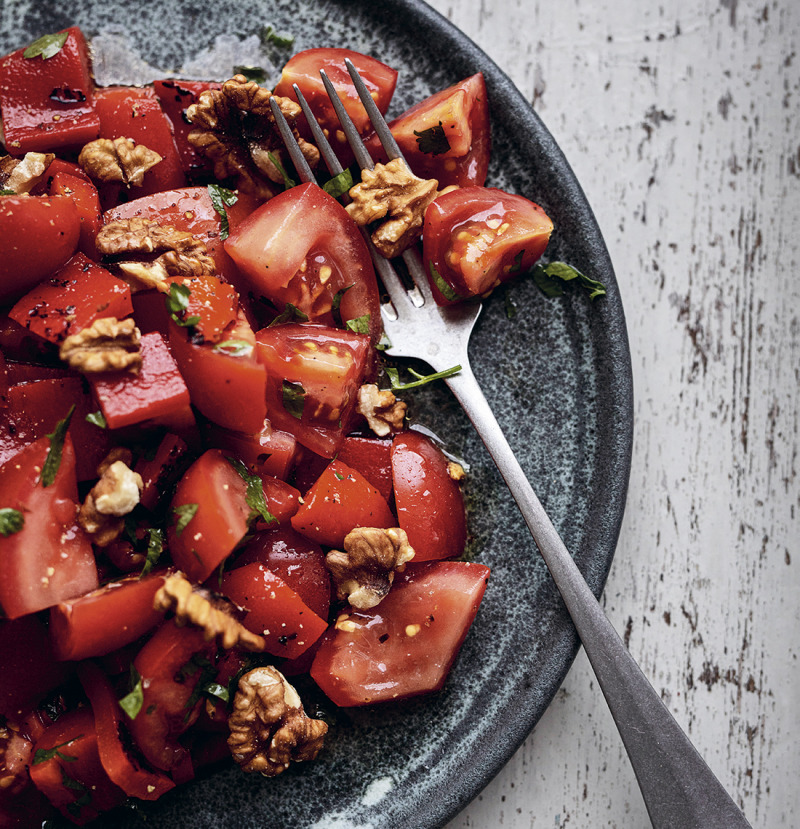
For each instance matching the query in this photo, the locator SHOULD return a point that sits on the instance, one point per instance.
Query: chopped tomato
(84, 194)
(211, 304)
(406, 645)
(48, 103)
(268, 451)
(477, 237)
(161, 472)
(372, 457)
(339, 501)
(302, 248)
(430, 507)
(50, 558)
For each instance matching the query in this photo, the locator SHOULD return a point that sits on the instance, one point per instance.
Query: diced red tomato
(407, 644)
(209, 515)
(268, 452)
(446, 136)
(275, 611)
(212, 303)
(72, 299)
(38, 234)
(339, 501)
(48, 103)
(313, 376)
(477, 237)
(302, 248)
(283, 500)
(104, 620)
(69, 771)
(372, 457)
(50, 559)
(157, 392)
(87, 200)
(430, 507)
(162, 471)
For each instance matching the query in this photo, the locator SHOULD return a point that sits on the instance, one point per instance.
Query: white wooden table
(681, 121)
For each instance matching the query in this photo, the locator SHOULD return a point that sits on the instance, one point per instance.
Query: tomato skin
(463, 110)
(32, 119)
(72, 299)
(162, 471)
(372, 457)
(286, 247)
(214, 303)
(477, 237)
(268, 451)
(82, 191)
(275, 611)
(106, 619)
(340, 500)
(407, 644)
(430, 507)
(220, 520)
(38, 234)
(50, 559)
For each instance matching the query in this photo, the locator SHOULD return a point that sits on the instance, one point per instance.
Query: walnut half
(268, 726)
(364, 573)
(108, 344)
(118, 159)
(385, 414)
(21, 175)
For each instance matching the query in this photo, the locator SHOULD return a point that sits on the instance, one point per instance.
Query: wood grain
(682, 123)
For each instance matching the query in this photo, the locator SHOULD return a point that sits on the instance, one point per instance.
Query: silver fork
(679, 789)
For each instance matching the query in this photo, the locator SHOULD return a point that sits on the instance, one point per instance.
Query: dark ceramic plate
(557, 373)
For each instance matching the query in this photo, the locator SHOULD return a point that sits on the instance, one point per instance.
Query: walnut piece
(392, 189)
(364, 573)
(196, 606)
(268, 726)
(456, 471)
(111, 498)
(23, 174)
(108, 344)
(120, 159)
(235, 129)
(385, 414)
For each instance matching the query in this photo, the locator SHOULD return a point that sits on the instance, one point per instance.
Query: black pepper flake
(383, 638)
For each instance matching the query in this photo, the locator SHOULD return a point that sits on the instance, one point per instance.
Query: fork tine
(361, 153)
(289, 141)
(331, 159)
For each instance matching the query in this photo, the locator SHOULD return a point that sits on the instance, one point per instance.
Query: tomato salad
(203, 488)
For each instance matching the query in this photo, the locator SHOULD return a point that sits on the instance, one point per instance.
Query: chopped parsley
(444, 287)
(46, 46)
(337, 301)
(288, 182)
(269, 35)
(53, 459)
(290, 313)
(177, 301)
(432, 141)
(359, 325)
(254, 494)
(252, 73)
(11, 521)
(4, 191)
(422, 379)
(221, 198)
(132, 702)
(294, 399)
(339, 184)
(42, 755)
(220, 692)
(547, 278)
(97, 419)
(155, 546)
(184, 514)
(235, 348)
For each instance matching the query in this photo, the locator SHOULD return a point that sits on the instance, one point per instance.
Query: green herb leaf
(510, 304)
(359, 325)
(290, 313)
(337, 301)
(177, 301)
(207, 672)
(221, 198)
(220, 692)
(4, 191)
(547, 278)
(42, 755)
(132, 702)
(432, 141)
(235, 348)
(184, 513)
(339, 184)
(97, 419)
(155, 546)
(383, 343)
(445, 288)
(288, 183)
(338, 476)
(46, 46)
(252, 73)
(11, 521)
(269, 35)
(422, 379)
(515, 268)
(254, 494)
(294, 399)
(53, 459)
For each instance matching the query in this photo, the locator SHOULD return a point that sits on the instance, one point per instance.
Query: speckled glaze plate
(557, 373)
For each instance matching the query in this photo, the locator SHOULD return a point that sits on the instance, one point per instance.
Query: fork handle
(679, 789)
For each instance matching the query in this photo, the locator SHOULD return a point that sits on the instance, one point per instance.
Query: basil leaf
(46, 46)
(510, 305)
(422, 379)
(359, 325)
(384, 343)
(432, 141)
(53, 459)
(254, 494)
(445, 288)
(132, 702)
(546, 277)
(11, 521)
(339, 184)
(235, 348)
(214, 689)
(177, 301)
(184, 513)
(221, 198)
(4, 191)
(288, 183)
(290, 312)
(155, 546)
(252, 73)
(294, 399)
(269, 35)
(337, 301)
(42, 755)
(97, 419)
